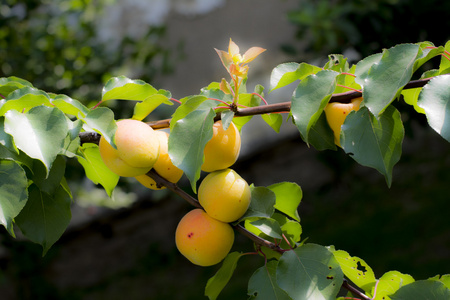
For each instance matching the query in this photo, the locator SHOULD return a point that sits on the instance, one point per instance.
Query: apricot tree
(40, 131)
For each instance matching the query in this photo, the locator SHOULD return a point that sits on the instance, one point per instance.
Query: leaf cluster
(40, 131)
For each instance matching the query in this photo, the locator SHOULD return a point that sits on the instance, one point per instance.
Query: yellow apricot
(203, 240)
(223, 149)
(224, 195)
(137, 149)
(336, 113)
(163, 165)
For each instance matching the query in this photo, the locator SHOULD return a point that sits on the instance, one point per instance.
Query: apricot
(137, 149)
(203, 240)
(224, 195)
(223, 149)
(163, 165)
(336, 113)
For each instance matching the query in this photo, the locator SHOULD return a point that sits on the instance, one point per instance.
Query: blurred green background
(125, 248)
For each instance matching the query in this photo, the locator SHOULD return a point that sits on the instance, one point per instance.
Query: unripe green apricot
(137, 149)
(203, 240)
(224, 195)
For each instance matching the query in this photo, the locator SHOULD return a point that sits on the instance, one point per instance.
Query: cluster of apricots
(204, 235)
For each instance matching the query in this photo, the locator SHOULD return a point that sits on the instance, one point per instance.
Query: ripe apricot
(203, 240)
(223, 149)
(224, 195)
(336, 113)
(137, 149)
(163, 165)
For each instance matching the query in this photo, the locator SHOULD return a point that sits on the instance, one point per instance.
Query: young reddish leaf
(251, 54)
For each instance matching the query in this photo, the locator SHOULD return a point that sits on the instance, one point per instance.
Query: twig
(354, 290)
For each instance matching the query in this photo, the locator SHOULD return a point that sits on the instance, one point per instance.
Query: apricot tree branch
(354, 290)
(92, 137)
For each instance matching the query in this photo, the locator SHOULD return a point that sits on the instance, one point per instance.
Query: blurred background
(124, 247)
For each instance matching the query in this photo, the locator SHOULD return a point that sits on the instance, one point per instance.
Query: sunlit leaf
(69, 106)
(24, 98)
(10, 84)
(188, 138)
(262, 203)
(124, 88)
(95, 168)
(288, 197)
(40, 133)
(287, 73)
(144, 108)
(101, 120)
(389, 283)
(356, 269)
(435, 100)
(382, 77)
(274, 120)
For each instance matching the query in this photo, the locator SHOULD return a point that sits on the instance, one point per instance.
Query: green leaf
(261, 204)
(291, 229)
(268, 226)
(321, 136)
(428, 51)
(444, 66)
(49, 184)
(40, 133)
(124, 88)
(247, 100)
(95, 168)
(274, 120)
(423, 289)
(382, 77)
(144, 108)
(309, 272)
(287, 73)
(45, 216)
(216, 283)
(188, 138)
(356, 269)
(24, 98)
(101, 120)
(10, 84)
(310, 98)
(263, 285)
(373, 142)
(13, 192)
(288, 197)
(389, 283)
(435, 100)
(411, 96)
(69, 106)
(188, 105)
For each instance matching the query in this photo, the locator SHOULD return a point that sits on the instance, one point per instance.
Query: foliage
(56, 46)
(41, 131)
(332, 27)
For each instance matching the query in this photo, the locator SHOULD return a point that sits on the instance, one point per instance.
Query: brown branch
(92, 137)
(354, 290)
